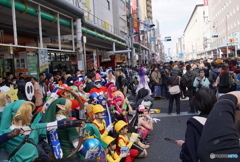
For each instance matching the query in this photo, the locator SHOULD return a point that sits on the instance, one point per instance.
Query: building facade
(225, 23)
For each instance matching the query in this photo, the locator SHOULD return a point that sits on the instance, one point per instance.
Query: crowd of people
(45, 112)
(81, 115)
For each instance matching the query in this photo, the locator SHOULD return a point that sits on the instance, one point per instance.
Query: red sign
(205, 2)
(135, 16)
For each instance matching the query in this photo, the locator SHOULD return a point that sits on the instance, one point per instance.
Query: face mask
(14, 82)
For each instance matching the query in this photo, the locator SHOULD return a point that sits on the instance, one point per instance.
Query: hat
(50, 114)
(49, 75)
(61, 91)
(218, 61)
(141, 108)
(77, 83)
(98, 78)
(5, 89)
(201, 71)
(9, 112)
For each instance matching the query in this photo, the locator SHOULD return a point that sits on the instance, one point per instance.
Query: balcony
(149, 15)
(149, 9)
(149, 3)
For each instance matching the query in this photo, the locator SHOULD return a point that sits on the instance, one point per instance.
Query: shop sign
(32, 64)
(21, 63)
(43, 60)
(4, 50)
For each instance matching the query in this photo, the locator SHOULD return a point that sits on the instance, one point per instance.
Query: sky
(173, 16)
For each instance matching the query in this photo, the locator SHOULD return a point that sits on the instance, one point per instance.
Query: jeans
(175, 97)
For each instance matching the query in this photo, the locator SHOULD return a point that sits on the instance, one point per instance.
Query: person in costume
(3, 99)
(119, 110)
(110, 90)
(112, 155)
(144, 123)
(59, 110)
(7, 136)
(64, 93)
(143, 80)
(98, 86)
(19, 115)
(99, 122)
(124, 140)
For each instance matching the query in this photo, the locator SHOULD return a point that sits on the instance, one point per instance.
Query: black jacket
(171, 81)
(192, 138)
(224, 85)
(219, 135)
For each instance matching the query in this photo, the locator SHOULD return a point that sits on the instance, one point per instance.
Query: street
(172, 126)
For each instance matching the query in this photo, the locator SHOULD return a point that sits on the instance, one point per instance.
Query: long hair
(142, 73)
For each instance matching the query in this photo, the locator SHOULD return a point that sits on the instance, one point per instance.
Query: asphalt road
(172, 126)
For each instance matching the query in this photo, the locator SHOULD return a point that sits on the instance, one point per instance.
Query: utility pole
(131, 39)
(227, 34)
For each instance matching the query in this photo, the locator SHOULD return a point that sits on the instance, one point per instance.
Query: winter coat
(197, 84)
(156, 77)
(224, 84)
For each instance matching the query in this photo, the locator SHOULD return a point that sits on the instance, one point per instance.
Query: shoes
(178, 113)
(169, 113)
(146, 142)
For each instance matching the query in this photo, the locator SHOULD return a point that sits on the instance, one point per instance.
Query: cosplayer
(64, 93)
(98, 86)
(7, 136)
(59, 110)
(143, 80)
(123, 140)
(2, 102)
(120, 110)
(112, 155)
(19, 115)
(110, 90)
(99, 122)
(145, 124)
(81, 85)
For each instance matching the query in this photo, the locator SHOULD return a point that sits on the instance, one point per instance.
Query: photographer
(201, 80)
(224, 120)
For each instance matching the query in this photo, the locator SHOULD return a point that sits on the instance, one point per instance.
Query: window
(108, 4)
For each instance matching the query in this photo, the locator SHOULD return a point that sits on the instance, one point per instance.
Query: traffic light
(214, 35)
(166, 39)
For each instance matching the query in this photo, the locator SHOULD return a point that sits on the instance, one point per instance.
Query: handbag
(174, 89)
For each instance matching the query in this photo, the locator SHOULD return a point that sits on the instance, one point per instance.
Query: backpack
(188, 82)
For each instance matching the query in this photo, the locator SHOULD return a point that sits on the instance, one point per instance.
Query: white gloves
(26, 130)
(52, 126)
(133, 139)
(109, 128)
(123, 154)
(156, 119)
(54, 95)
(148, 117)
(153, 119)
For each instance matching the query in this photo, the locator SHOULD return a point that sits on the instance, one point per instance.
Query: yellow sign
(4, 50)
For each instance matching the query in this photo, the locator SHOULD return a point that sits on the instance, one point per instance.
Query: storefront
(59, 61)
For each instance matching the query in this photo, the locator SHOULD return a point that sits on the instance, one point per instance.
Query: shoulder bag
(174, 89)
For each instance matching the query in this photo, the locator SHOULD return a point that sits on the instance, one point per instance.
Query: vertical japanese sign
(43, 60)
(135, 17)
(21, 63)
(32, 64)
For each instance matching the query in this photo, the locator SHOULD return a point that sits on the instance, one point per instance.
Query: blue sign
(181, 54)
